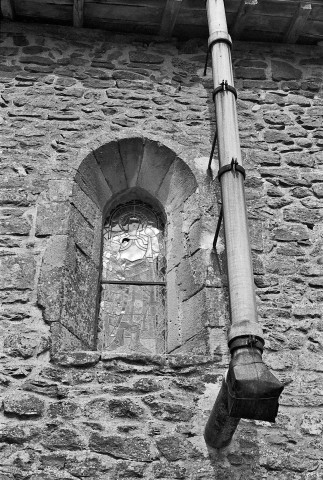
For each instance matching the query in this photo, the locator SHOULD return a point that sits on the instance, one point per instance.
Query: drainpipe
(249, 390)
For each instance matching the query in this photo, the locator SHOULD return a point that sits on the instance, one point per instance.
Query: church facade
(115, 306)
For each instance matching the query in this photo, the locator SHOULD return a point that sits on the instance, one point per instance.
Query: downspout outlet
(253, 391)
(249, 391)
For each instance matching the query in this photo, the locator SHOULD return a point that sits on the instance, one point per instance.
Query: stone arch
(135, 167)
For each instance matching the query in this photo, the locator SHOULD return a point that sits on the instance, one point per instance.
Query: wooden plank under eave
(78, 13)
(298, 22)
(168, 22)
(8, 9)
(239, 23)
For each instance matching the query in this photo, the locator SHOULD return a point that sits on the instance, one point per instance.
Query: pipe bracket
(223, 87)
(233, 166)
(248, 341)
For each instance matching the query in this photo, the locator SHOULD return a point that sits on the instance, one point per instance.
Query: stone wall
(109, 417)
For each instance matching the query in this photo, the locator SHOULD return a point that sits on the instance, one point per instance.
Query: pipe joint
(245, 328)
(218, 37)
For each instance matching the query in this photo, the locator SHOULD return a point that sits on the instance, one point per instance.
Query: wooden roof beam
(78, 13)
(8, 9)
(298, 21)
(239, 22)
(168, 22)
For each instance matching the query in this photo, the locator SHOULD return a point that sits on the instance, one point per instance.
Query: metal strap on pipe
(234, 166)
(247, 341)
(224, 86)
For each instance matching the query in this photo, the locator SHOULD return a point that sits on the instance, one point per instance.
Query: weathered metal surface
(220, 426)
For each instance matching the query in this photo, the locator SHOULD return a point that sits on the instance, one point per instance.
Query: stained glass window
(132, 307)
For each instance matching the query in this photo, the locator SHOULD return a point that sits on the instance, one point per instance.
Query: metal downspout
(249, 390)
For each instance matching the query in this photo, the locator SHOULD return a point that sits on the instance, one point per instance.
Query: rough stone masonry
(87, 415)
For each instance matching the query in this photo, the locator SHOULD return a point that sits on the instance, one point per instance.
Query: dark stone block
(183, 361)
(284, 71)
(318, 190)
(25, 344)
(142, 57)
(125, 408)
(20, 40)
(53, 460)
(63, 116)
(34, 50)
(13, 196)
(250, 73)
(293, 233)
(37, 60)
(85, 466)
(97, 83)
(18, 434)
(146, 385)
(316, 282)
(168, 411)
(172, 447)
(8, 51)
(136, 358)
(279, 202)
(97, 409)
(127, 75)
(64, 409)
(23, 405)
(301, 159)
(302, 215)
(130, 470)
(131, 448)
(77, 359)
(42, 387)
(63, 439)
(277, 118)
(277, 136)
(290, 250)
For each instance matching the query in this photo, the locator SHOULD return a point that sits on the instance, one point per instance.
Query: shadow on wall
(240, 460)
(118, 171)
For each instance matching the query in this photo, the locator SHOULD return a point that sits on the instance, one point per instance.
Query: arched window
(126, 187)
(132, 308)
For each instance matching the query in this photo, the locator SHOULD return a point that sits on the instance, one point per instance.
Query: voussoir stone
(23, 405)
